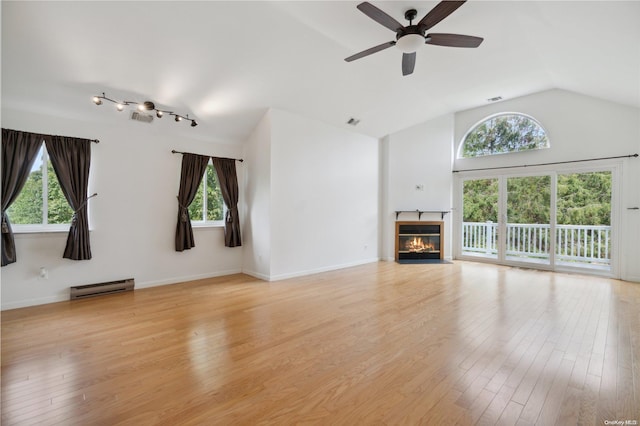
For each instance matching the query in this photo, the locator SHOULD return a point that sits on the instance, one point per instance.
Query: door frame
(615, 167)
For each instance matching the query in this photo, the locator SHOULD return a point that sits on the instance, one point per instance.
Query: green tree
(504, 133)
(215, 202)
(529, 199)
(480, 202)
(27, 208)
(58, 209)
(584, 199)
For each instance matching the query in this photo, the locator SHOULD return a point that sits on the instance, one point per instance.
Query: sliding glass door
(583, 232)
(528, 224)
(480, 218)
(558, 220)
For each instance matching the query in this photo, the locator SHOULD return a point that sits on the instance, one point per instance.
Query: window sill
(216, 224)
(39, 229)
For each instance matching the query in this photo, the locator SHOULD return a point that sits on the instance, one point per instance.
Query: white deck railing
(574, 243)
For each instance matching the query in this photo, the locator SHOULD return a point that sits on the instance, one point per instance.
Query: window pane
(583, 233)
(584, 199)
(215, 202)
(528, 219)
(58, 211)
(480, 217)
(27, 208)
(504, 133)
(195, 209)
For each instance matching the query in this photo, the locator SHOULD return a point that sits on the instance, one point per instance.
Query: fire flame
(418, 246)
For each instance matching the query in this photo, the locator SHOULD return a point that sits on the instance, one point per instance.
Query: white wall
(256, 223)
(420, 155)
(311, 197)
(133, 218)
(579, 127)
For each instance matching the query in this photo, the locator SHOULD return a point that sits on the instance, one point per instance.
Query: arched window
(504, 133)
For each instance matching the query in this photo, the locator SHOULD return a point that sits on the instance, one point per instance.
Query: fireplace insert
(418, 241)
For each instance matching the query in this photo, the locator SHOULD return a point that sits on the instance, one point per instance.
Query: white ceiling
(226, 62)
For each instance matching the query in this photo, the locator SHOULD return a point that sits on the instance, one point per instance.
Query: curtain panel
(226, 170)
(193, 168)
(19, 151)
(71, 159)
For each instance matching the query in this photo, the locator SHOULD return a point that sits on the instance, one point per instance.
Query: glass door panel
(528, 224)
(583, 214)
(480, 217)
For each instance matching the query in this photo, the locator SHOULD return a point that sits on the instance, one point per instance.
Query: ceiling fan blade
(453, 40)
(408, 63)
(379, 16)
(370, 51)
(438, 13)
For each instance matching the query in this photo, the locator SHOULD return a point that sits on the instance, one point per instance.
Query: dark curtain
(19, 151)
(226, 170)
(71, 158)
(193, 168)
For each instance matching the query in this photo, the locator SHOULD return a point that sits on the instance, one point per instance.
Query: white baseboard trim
(255, 274)
(176, 280)
(323, 269)
(64, 297)
(33, 302)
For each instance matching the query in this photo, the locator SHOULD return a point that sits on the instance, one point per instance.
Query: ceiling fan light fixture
(410, 43)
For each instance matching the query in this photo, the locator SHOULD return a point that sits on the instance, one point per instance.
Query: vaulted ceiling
(226, 62)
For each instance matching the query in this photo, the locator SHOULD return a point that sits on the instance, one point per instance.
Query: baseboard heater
(92, 290)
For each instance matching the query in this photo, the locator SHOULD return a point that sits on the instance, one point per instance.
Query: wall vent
(91, 290)
(139, 116)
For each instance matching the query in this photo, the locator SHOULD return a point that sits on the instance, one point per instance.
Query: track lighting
(144, 106)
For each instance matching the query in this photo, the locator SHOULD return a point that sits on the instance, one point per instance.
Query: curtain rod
(546, 164)
(44, 134)
(173, 151)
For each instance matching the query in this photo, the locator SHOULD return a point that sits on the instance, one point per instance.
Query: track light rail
(144, 106)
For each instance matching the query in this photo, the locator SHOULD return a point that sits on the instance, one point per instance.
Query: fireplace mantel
(442, 212)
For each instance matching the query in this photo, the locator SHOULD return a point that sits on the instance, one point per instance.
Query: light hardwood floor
(381, 343)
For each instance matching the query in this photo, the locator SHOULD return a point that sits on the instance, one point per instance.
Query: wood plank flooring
(382, 343)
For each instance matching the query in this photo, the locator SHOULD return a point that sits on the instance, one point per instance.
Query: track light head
(97, 100)
(119, 107)
(178, 118)
(194, 123)
(159, 114)
(148, 106)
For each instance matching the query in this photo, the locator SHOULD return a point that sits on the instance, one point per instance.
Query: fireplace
(418, 242)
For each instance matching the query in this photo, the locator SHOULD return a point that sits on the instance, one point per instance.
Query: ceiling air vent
(139, 116)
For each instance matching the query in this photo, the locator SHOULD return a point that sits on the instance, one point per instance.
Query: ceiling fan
(411, 37)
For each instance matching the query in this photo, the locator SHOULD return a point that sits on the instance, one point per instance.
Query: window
(208, 206)
(504, 133)
(41, 204)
